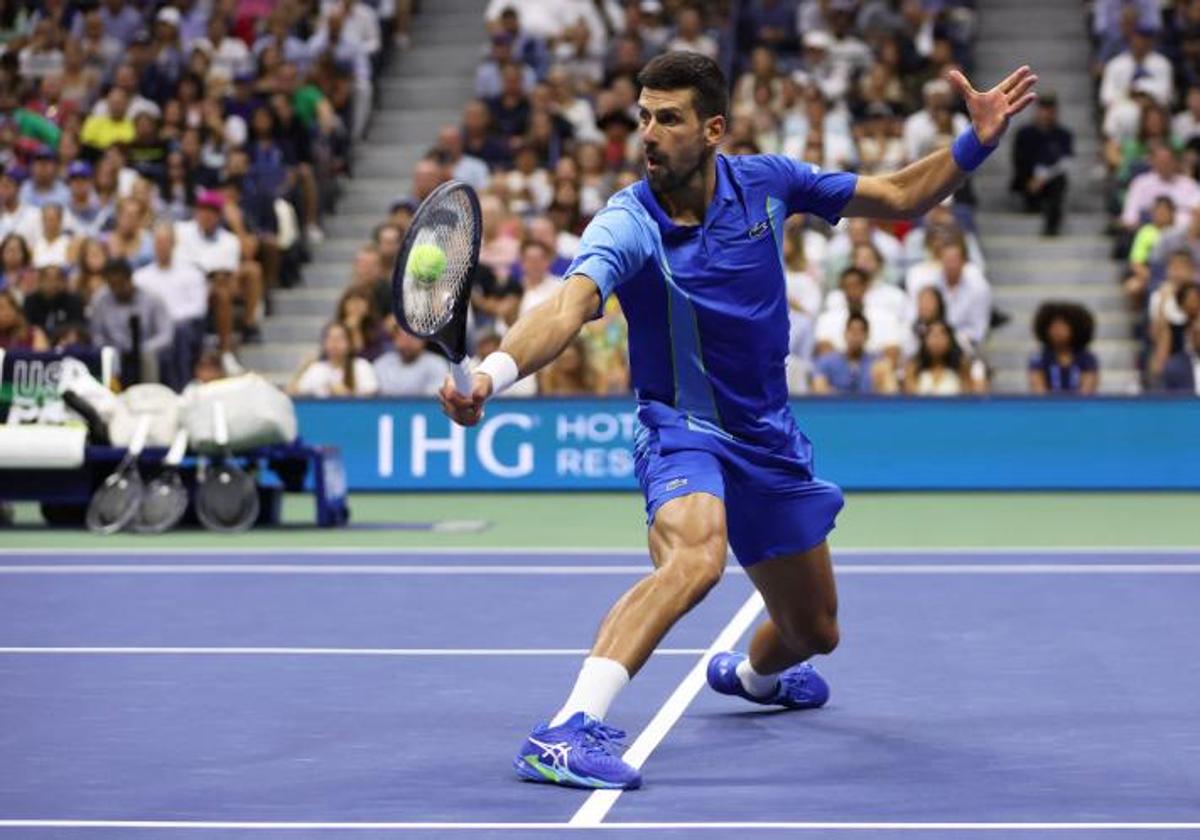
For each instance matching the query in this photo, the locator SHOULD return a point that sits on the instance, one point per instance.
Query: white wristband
(502, 368)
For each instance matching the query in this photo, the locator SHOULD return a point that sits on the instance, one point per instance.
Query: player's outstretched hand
(991, 110)
(465, 409)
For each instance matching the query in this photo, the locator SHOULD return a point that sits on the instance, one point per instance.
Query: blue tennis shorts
(773, 504)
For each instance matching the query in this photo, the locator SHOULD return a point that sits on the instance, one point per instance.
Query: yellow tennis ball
(426, 262)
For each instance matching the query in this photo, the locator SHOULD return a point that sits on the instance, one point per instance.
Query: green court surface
(615, 520)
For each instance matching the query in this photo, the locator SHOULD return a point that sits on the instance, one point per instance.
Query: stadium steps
(1024, 268)
(421, 89)
(302, 301)
(284, 329)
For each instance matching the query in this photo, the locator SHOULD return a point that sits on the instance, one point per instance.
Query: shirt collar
(725, 192)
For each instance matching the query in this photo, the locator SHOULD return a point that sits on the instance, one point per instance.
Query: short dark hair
(698, 73)
(861, 318)
(119, 266)
(857, 272)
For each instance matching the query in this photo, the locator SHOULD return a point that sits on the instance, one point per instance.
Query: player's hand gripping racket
(431, 282)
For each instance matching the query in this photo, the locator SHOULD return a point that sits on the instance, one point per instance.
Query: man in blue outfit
(694, 254)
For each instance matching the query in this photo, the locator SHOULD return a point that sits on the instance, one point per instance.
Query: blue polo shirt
(707, 304)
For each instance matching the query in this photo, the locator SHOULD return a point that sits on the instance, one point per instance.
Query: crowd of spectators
(164, 165)
(552, 133)
(1147, 66)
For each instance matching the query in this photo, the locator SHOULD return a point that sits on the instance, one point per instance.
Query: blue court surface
(383, 694)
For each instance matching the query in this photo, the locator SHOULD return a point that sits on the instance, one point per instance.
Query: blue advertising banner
(870, 444)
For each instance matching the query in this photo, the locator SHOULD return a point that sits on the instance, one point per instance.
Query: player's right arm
(613, 249)
(534, 341)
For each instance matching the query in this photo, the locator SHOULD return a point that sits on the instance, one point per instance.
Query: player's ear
(714, 130)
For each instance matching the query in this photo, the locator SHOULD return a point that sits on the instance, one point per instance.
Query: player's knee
(703, 577)
(690, 579)
(815, 634)
(825, 636)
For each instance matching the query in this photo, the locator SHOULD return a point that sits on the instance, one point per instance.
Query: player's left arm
(921, 185)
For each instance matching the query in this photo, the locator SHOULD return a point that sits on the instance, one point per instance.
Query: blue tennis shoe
(578, 753)
(800, 687)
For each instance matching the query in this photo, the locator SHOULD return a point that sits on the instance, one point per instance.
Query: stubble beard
(668, 179)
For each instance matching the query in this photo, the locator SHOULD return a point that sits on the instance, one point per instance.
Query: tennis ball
(426, 262)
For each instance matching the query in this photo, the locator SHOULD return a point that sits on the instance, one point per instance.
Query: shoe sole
(549, 776)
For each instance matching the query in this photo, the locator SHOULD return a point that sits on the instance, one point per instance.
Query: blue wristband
(968, 152)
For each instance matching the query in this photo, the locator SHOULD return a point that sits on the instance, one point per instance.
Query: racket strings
(449, 224)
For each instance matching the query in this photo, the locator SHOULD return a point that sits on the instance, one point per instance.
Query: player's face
(675, 141)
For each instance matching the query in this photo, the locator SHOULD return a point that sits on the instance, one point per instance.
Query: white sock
(759, 685)
(599, 682)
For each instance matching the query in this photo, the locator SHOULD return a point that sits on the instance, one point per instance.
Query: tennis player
(693, 253)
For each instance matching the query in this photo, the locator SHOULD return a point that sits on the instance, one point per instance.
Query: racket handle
(178, 447)
(138, 442)
(220, 428)
(462, 377)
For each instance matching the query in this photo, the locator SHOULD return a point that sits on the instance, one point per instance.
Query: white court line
(402, 551)
(312, 651)
(1017, 569)
(347, 551)
(598, 804)
(368, 551)
(613, 826)
(841, 569)
(315, 569)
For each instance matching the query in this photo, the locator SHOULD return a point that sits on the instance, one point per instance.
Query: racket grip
(140, 432)
(178, 447)
(220, 428)
(462, 377)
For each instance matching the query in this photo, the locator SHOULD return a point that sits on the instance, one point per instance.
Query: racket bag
(158, 402)
(256, 412)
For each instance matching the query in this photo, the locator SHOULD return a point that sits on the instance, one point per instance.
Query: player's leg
(801, 599)
(778, 534)
(687, 542)
(688, 546)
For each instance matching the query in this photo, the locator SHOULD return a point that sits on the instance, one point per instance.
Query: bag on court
(257, 413)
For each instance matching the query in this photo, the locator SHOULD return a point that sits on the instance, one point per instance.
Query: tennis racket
(431, 281)
(226, 498)
(165, 498)
(114, 505)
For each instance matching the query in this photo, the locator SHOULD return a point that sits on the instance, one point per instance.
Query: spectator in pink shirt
(1164, 178)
